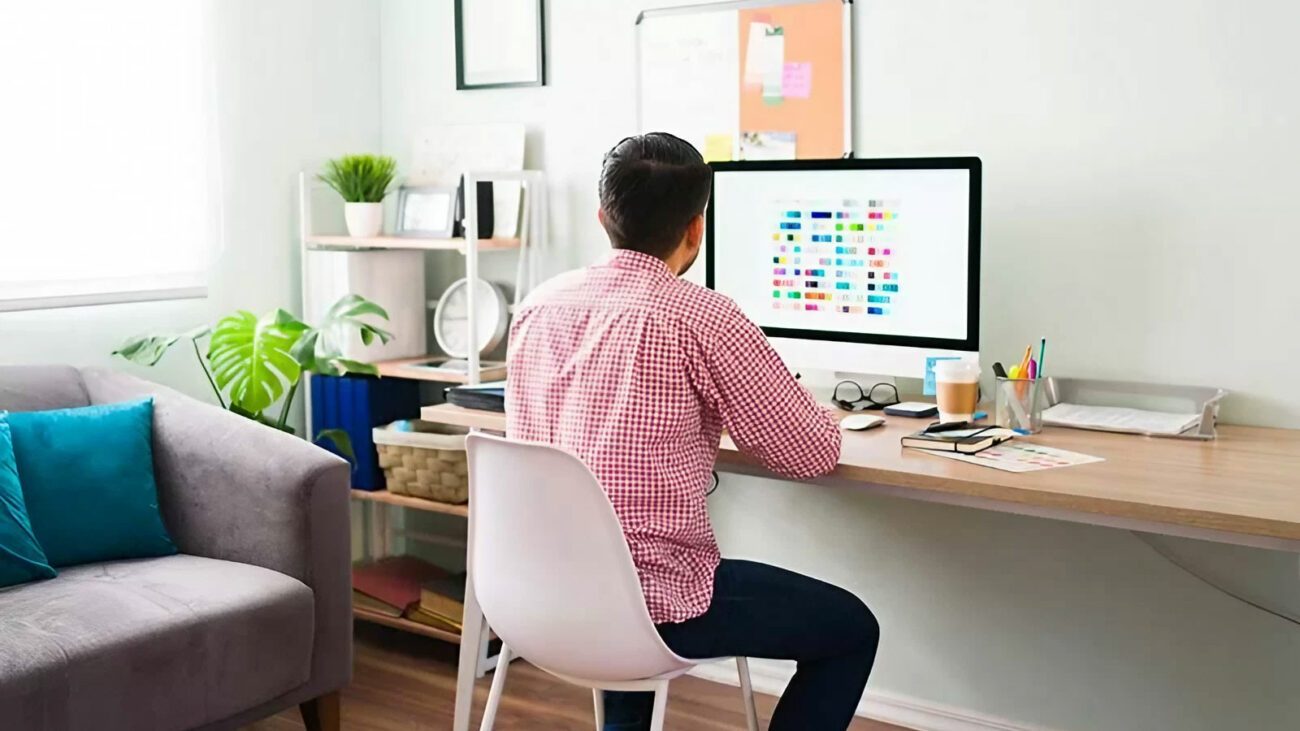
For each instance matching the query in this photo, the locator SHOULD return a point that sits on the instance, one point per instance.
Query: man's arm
(765, 410)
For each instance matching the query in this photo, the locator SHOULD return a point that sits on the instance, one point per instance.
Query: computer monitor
(863, 266)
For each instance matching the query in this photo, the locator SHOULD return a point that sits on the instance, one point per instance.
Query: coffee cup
(957, 385)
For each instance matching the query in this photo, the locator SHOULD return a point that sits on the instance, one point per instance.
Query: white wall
(1138, 161)
(1140, 169)
(298, 81)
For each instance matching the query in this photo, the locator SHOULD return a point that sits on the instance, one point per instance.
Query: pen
(1042, 355)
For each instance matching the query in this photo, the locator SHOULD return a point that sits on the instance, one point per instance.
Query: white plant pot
(364, 219)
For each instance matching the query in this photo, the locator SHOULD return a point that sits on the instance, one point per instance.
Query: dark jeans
(766, 612)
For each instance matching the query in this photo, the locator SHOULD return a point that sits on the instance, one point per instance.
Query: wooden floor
(403, 682)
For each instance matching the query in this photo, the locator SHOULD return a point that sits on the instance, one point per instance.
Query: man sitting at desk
(637, 372)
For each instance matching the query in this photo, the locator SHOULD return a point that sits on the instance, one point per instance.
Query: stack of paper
(1116, 418)
(1022, 457)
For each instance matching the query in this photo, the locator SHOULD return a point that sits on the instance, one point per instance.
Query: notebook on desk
(962, 441)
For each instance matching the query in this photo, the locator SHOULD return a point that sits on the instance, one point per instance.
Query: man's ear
(600, 216)
(695, 232)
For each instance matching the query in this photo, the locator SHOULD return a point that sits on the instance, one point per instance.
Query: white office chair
(555, 579)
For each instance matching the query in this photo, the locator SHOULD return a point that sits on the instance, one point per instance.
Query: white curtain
(109, 177)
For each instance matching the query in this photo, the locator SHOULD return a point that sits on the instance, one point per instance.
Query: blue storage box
(358, 404)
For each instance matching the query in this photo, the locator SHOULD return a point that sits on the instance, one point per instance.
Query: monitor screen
(869, 251)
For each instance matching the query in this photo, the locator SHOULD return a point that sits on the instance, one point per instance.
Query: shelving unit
(405, 243)
(531, 239)
(402, 501)
(402, 368)
(532, 236)
(406, 625)
(468, 418)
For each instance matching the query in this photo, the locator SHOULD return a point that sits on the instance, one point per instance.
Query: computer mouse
(861, 422)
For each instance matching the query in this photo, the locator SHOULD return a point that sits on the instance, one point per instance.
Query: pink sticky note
(796, 80)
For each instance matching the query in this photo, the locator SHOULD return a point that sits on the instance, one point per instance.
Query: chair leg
(598, 698)
(322, 714)
(747, 694)
(661, 707)
(498, 687)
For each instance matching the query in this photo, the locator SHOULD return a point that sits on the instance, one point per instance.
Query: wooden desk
(1242, 488)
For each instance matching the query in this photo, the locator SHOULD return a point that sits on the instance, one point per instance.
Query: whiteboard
(750, 79)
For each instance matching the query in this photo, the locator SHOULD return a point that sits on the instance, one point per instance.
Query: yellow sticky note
(717, 148)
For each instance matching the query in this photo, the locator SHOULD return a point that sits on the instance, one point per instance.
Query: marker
(1042, 355)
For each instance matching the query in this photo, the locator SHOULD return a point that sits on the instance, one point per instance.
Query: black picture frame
(462, 85)
(971, 164)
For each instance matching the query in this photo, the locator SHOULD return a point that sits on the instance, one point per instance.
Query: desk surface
(1246, 483)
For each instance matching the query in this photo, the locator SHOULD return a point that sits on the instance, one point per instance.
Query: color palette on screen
(840, 283)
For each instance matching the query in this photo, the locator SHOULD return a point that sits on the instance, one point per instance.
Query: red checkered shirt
(637, 372)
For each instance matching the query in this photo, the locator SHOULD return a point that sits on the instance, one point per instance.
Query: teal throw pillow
(21, 557)
(88, 482)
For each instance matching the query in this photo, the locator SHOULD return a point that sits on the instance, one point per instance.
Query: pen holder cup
(1019, 404)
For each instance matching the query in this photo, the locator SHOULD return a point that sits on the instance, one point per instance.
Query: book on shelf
(962, 441)
(394, 581)
(437, 621)
(444, 596)
(484, 396)
(372, 604)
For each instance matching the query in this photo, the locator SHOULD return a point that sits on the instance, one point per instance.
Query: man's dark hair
(651, 186)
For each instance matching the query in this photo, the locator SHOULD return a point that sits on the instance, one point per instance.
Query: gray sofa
(252, 617)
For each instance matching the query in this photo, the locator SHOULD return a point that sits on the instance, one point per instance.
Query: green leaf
(360, 178)
(356, 366)
(150, 348)
(352, 306)
(374, 332)
(318, 350)
(341, 441)
(304, 351)
(251, 357)
(146, 349)
(260, 418)
(287, 321)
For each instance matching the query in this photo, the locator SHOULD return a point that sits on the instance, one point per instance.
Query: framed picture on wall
(500, 43)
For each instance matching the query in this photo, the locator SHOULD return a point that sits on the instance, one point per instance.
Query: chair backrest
(551, 568)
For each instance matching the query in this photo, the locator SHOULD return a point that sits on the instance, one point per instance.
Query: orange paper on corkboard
(802, 91)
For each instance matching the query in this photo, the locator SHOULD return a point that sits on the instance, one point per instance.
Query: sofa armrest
(232, 489)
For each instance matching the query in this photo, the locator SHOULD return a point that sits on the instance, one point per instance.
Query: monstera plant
(254, 362)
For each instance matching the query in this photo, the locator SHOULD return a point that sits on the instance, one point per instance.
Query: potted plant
(252, 362)
(363, 182)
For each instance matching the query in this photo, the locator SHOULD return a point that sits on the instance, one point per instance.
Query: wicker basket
(427, 461)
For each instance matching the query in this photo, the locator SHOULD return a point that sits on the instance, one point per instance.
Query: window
(109, 179)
